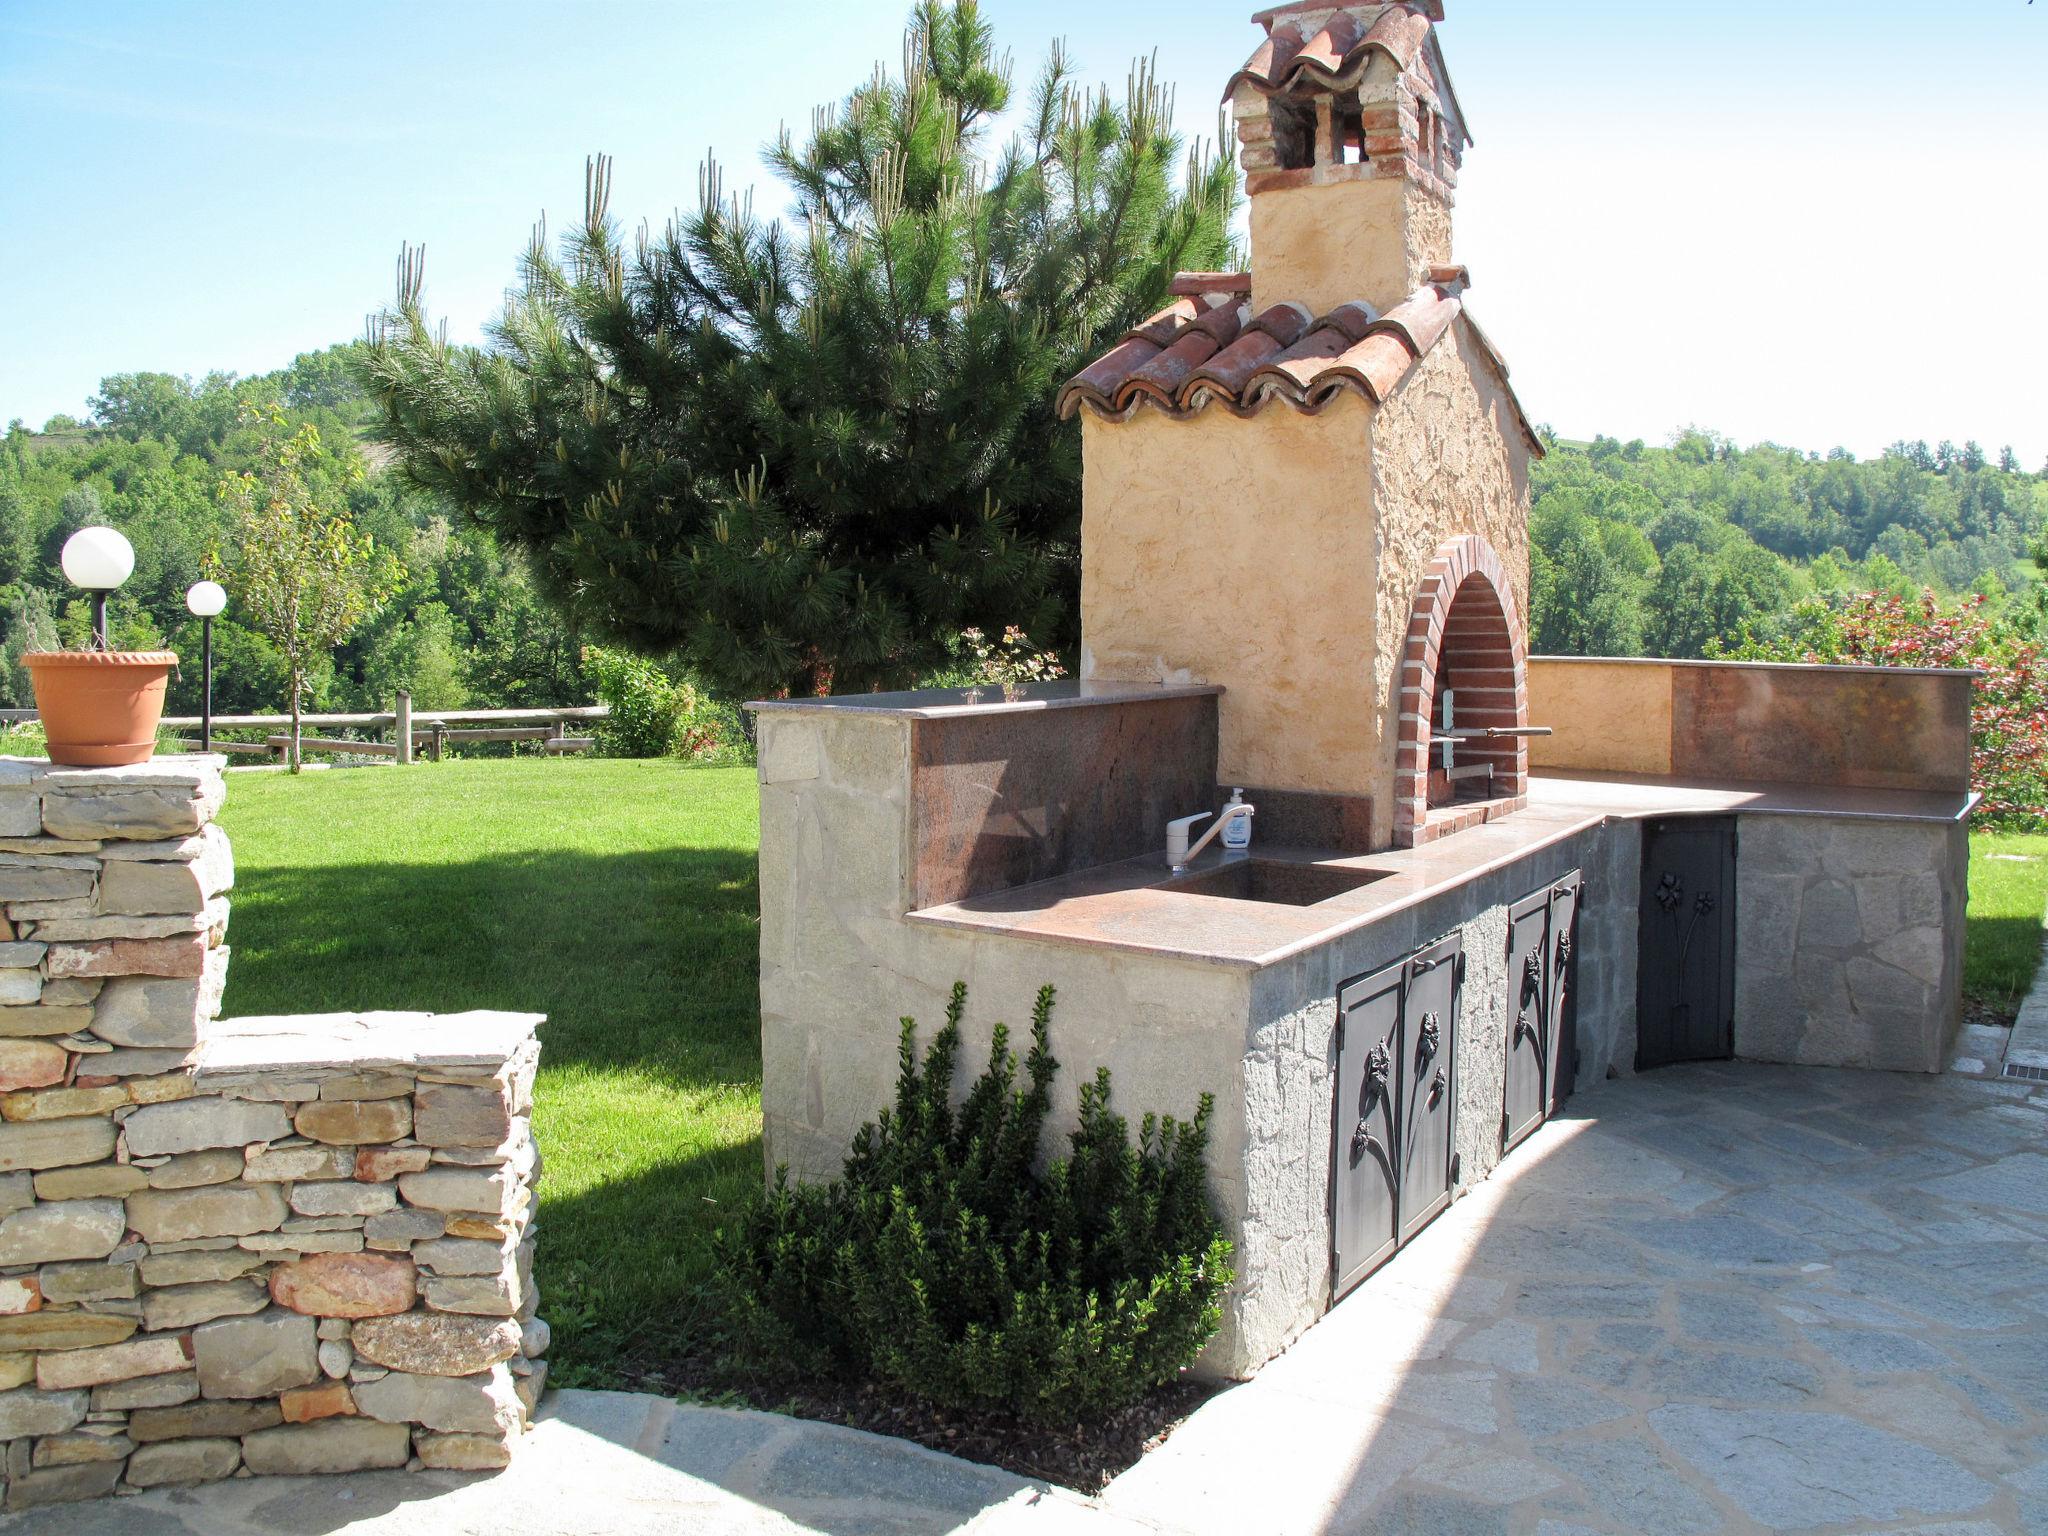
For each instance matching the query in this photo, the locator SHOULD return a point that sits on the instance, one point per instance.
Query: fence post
(404, 742)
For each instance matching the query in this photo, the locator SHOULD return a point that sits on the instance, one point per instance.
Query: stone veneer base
(278, 1245)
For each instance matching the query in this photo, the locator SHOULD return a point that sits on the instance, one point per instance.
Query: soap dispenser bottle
(1237, 830)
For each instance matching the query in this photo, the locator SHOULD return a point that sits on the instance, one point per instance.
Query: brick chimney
(1350, 137)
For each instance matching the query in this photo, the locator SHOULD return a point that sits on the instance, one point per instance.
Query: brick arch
(1463, 629)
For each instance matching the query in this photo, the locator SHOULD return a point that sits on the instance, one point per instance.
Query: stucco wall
(1240, 551)
(1323, 245)
(1607, 716)
(1853, 727)
(840, 968)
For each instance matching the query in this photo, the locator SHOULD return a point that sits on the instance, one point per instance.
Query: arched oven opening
(1476, 690)
(1463, 754)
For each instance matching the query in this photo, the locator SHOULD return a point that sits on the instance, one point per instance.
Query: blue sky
(1818, 222)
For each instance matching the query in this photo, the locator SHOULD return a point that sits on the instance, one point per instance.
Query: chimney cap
(1433, 9)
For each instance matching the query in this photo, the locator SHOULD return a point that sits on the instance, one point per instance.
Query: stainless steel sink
(1274, 880)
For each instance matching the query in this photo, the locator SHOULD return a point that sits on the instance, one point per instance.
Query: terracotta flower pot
(100, 708)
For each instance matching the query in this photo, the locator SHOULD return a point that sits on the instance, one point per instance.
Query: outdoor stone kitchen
(1477, 881)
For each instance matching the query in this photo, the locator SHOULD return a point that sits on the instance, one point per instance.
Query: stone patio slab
(1845, 1335)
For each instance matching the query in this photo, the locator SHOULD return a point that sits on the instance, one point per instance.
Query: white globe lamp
(206, 599)
(99, 560)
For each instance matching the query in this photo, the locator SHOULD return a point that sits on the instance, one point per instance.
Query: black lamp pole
(206, 706)
(99, 619)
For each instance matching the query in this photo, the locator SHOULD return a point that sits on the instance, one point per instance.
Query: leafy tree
(138, 405)
(80, 508)
(300, 570)
(1586, 592)
(807, 455)
(422, 655)
(16, 539)
(32, 626)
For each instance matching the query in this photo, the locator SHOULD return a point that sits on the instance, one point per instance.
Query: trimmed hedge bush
(943, 1263)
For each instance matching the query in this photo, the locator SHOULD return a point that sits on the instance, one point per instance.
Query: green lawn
(2008, 889)
(618, 898)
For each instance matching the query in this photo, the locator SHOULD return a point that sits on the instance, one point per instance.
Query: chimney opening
(1349, 131)
(1294, 134)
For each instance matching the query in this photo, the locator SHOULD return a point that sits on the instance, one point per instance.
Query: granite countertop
(938, 703)
(1122, 906)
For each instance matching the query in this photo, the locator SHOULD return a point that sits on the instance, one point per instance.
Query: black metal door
(1685, 965)
(1429, 1031)
(1528, 1073)
(1364, 1216)
(1564, 974)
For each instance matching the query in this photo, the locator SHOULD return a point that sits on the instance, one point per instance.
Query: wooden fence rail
(409, 730)
(386, 719)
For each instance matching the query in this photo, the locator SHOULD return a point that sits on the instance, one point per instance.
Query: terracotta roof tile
(1165, 325)
(1376, 365)
(1194, 354)
(1330, 47)
(1195, 284)
(1161, 377)
(1290, 61)
(1421, 319)
(1097, 384)
(1269, 61)
(1225, 375)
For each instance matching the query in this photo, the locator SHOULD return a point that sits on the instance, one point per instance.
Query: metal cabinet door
(1527, 1090)
(1564, 1032)
(1429, 1030)
(1366, 1126)
(1685, 966)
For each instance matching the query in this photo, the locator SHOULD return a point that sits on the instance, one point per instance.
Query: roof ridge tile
(1222, 354)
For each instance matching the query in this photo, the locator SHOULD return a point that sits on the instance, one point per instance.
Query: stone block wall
(1849, 941)
(253, 1246)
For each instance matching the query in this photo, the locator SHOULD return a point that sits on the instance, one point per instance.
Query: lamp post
(206, 599)
(99, 560)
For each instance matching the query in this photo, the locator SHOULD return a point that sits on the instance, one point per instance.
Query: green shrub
(943, 1264)
(656, 715)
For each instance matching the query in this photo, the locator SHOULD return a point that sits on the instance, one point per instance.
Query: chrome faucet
(1178, 854)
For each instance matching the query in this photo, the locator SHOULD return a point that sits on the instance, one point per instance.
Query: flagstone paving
(1719, 1298)
(1708, 1299)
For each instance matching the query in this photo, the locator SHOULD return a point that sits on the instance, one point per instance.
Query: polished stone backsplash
(1003, 798)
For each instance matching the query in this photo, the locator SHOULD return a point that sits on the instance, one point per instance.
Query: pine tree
(804, 455)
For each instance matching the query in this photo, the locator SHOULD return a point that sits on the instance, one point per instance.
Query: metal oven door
(1429, 1029)
(1366, 1129)
(1528, 1019)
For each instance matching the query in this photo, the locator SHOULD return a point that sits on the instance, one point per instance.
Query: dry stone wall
(272, 1245)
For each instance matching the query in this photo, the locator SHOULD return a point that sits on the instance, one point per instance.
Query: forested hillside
(1685, 550)
(1667, 551)
(465, 629)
